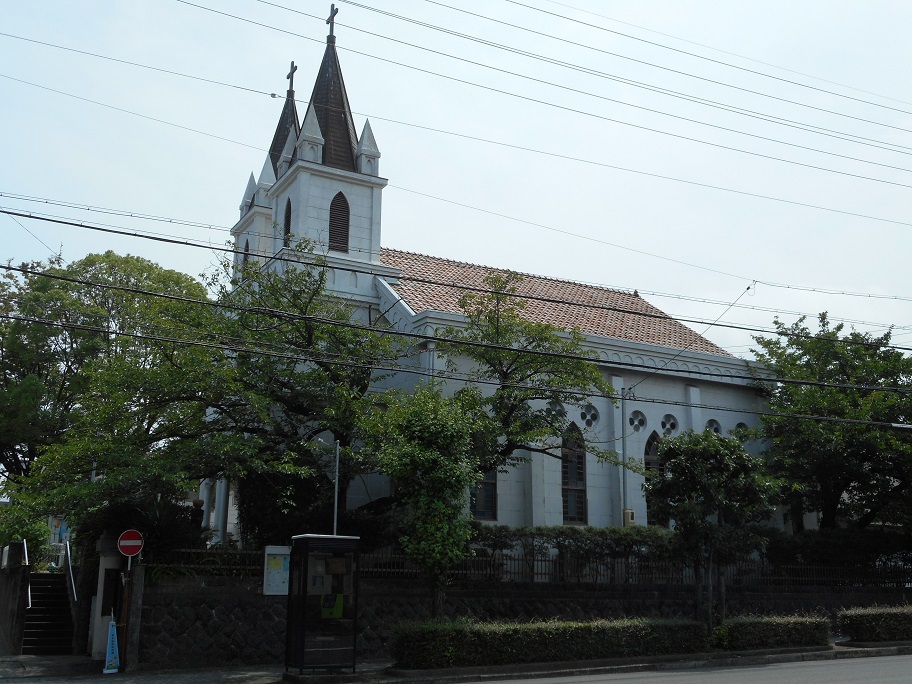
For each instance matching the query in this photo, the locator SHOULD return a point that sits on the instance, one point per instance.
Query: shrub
(878, 623)
(752, 632)
(463, 643)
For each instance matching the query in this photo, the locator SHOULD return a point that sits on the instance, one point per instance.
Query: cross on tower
(290, 75)
(332, 18)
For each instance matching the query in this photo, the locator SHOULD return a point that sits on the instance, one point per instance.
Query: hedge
(752, 632)
(878, 623)
(462, 643)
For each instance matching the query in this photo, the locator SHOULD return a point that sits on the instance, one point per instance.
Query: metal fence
(556, 568)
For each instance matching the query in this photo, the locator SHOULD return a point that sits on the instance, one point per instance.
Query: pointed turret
(246, 200)
(288, 121)
(368, 154)
(310, 142)
(330, 102)
(288, 154)
(267, 175)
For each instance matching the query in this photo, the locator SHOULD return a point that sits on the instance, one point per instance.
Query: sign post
(129, 543)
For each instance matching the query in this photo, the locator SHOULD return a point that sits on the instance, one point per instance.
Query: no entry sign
(130, 543)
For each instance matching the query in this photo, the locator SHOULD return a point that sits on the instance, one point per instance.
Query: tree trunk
(709, 590)
(698, 592)
(796, 507)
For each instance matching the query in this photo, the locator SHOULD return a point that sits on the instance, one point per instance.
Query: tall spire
(288, 121)
(330, 102)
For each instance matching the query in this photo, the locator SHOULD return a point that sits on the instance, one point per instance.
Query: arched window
(651, 455)
(246, 256)
(573, 476)
(286, 226)
(654, 467)
(483, 497)
(338, 224)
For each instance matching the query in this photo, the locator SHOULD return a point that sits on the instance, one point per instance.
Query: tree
(712, 489)
(425, 442)
(830, 440)
(305, 364)
(123, 380)
(535, 369)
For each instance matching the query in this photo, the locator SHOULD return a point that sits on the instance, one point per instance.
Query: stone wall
(193, 622)
(206, 621)
(14, 579)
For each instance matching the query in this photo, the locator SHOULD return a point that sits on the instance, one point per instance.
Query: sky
(731, 161)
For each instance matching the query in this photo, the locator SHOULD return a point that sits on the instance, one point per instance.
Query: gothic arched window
(338, 224)
(246, 257)
(573, 476)
(286, 226)
(653, 465)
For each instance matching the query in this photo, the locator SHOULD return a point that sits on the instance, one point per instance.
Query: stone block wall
(206, 621)
(198, 622)
(14, 579)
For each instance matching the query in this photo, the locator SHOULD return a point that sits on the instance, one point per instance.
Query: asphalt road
(884, 670)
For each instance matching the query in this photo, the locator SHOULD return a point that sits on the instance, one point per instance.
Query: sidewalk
(56, 669)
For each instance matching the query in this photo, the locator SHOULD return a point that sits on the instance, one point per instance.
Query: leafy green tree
(713, 490)
(305, 365)
(534, 368)
(125, 380)
(425, 442)
(854, 467)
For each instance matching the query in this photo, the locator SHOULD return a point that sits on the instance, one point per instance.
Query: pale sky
(690, 250)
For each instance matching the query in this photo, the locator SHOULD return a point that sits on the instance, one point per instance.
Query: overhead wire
(272, 236)
(810, 128)
(429, 281)
(570, 109)
(702, 57)
(194, 130)
(728, 52)
(446, 374)
(710, 186)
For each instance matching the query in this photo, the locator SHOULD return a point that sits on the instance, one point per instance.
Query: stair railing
(69, 563)
(28, 584)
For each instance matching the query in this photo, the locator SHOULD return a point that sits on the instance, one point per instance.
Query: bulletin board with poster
(322, 603)
(276, 563)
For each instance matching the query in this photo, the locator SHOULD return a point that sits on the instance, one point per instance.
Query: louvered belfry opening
(338, 224)
(286, 226)
(246, 257)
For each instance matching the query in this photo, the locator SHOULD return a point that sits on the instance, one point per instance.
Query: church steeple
(288, 121)
(330, 102)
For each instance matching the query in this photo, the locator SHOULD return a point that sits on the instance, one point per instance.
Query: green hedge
(879, 623)
(463, 643)
(749, 632)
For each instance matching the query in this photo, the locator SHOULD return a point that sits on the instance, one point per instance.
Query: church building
(321, 182)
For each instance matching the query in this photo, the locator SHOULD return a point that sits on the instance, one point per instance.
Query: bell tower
(320, 183)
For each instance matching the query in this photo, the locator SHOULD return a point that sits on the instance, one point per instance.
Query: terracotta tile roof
(593, 310)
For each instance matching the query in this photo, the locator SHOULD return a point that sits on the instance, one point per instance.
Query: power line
(183, 222)
(703, 57)
(809, 128)
(479, 139)
(768, 283)
(427, 281)
(437, 373)
(728, 52)
(572, 110)
(279, 313)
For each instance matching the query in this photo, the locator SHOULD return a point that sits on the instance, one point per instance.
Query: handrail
(70, 569)
(29, 582)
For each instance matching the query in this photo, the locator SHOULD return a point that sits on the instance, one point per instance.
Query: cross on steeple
(332, 19)
(290, 76)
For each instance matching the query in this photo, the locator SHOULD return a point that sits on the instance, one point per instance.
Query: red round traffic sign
(130, 543)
